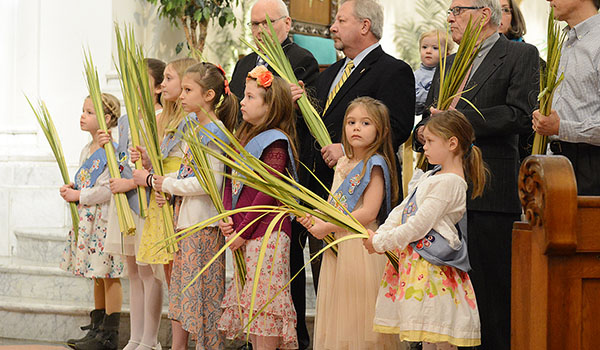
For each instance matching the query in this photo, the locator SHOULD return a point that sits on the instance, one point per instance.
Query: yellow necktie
(335, 90)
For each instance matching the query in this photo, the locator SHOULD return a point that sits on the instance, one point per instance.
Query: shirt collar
(584, 27)
(361, 56)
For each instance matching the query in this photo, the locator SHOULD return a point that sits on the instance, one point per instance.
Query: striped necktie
(335, 90)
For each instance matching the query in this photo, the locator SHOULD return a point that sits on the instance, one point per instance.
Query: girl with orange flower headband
(268, 132)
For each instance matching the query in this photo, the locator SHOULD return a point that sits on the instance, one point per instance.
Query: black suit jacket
(303, 62)
(380, 76)
(504, 89)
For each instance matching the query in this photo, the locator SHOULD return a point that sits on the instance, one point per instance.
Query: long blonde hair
(172, 113)
(453, 123)
(383, 140)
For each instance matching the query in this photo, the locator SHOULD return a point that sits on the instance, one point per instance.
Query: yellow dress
(154, 228)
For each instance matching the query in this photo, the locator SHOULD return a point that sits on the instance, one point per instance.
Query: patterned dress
(87, 256)
(198, 308)
(426, 302)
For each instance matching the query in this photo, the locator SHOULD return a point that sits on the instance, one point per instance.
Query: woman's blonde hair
(280, 114)
(172, 113)
(453, 123)
(380, 117)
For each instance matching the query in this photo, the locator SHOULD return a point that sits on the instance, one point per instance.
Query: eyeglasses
(506, 10)
(255, 25)
(457, 10)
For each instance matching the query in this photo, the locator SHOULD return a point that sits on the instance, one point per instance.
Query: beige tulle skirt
(348, 287)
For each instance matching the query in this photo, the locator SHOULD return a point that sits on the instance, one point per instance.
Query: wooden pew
(555, 261)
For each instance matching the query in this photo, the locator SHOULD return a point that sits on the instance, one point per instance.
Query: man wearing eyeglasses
(503, 85)
(303, 62)
(306, 68)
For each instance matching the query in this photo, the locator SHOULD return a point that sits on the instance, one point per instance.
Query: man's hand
(297, 91)
(332, 153)
(546, 126)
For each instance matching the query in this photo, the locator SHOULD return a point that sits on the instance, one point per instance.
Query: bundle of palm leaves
(125, 48)
(126, 223)
(549, 79)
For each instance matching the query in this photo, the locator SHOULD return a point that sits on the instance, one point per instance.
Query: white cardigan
(441, 202)
(196, 205)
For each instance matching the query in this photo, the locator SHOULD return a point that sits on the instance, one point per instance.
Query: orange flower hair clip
(262, 75)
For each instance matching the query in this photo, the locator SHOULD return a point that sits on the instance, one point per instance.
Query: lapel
(493, 60)
(353, 79)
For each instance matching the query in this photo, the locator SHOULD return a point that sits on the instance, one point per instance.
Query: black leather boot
(107, 337)
(96, 317)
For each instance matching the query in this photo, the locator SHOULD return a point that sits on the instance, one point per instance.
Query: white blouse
(196, 205)
(441, 202)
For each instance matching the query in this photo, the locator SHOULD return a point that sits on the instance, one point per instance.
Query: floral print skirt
(278, 319)
(87, 257)
(425, 302)
(198, 308)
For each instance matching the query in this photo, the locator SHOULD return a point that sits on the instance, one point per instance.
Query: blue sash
(91, 169)
(122, 151)
(172, 139)
(185, 170)
(352, 188)
(434, 247)
(255, 147)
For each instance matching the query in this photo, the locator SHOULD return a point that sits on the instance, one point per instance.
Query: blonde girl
(86, 256)
(365, 184)
(206, 94)
(268, 132)
(433, 45)
(431, 298)
(171, 121)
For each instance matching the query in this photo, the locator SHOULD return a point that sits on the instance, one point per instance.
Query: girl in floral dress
(348, 283)
(197, 309)
(86, 255)
(268, 132)
(431, 298)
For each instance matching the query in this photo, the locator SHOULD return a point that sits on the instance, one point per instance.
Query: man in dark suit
(303, 62)
(503, 86)
(306, 68)
(356, 31)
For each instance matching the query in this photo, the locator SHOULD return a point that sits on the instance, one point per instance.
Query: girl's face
(437, 149)
(88, 121)
(360, 129)
(193, 97)
(171, 84)
(253, 105)
(430, 52)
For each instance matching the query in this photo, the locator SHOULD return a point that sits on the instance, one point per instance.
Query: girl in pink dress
(268, 132)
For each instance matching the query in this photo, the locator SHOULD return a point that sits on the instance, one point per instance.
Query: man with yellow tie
(365, 71)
